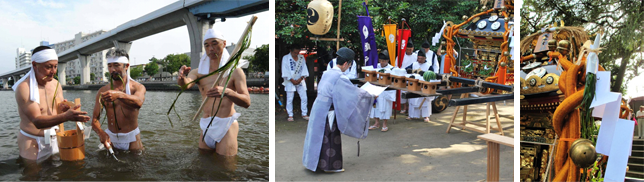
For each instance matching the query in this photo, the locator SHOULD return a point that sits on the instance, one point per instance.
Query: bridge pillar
(84, 59)
(5, 83)
(196, 30)
(62, 76)
(122, 45)
(15, 78)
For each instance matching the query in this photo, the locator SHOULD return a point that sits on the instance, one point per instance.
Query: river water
(171, 152)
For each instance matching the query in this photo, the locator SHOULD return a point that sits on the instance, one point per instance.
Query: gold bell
(443, 43)
(564, 45)
(465, 17)
(502, 64)
(582, 152)
(552, 43)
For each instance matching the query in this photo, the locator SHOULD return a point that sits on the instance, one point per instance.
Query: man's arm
(96, 117)
(286, 69)
(136, 100)
(240, 95)
(32, 111)
(304, 71)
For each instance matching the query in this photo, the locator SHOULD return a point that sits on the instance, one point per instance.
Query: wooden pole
(337, 41)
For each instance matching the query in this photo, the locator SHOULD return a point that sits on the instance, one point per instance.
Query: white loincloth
(44, 150)
(122, 140)
(217, 130)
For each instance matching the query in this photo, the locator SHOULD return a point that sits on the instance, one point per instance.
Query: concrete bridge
(198, 15)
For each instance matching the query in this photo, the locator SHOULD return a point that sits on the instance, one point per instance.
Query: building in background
(98, 61)
(23, 58)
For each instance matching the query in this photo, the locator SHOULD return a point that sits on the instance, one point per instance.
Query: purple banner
(369, 48)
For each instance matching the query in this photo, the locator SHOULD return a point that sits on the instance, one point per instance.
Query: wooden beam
(337, 42)
(326, 39)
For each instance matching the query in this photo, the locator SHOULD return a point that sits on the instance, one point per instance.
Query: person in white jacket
(409, 58)
(421, 106)
(383, 107)
(294, 72)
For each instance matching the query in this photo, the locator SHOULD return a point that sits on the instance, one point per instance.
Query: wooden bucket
(429, 87)
(412, 84)
(370, 75)
(71, 143)
(399, 81)
(383, 78)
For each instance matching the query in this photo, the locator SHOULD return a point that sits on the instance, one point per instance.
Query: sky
(26, 23)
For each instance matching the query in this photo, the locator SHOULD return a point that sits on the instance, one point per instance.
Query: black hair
(40, 48)
(341, 60)
(294, 46)
(114, 53)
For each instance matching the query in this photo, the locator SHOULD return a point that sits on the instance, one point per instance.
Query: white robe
(352, 106)
(432, 59)
(415, 109)
(408, 60)
(384, 102)
(351, 73)
(288, 72)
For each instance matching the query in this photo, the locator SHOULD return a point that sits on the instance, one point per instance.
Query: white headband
(204, 63)
(121, 59)
(44, 56)
(39, 57)
(212, 33)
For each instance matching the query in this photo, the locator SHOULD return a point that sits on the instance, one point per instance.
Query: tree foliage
(259, 61)
(77, 80)
(136, 72)
(174, 61)
(152, 67)
(424, 17)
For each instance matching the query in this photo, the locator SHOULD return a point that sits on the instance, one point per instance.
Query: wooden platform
(493, 141)
(391, 87)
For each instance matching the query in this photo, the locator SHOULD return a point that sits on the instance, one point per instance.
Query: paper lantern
(319, 16)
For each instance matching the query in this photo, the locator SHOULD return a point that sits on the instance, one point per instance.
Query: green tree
(107, 75)
(259, 61)
(424, 17)
(136, 72)
(92, 76)
(174, 61)
(152, 67)
(77, 80)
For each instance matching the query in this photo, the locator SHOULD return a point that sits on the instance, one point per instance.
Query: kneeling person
(128, 97)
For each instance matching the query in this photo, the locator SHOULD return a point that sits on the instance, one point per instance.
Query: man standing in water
(222, 133)
(35, 93)
(323, 145)
(127, 96)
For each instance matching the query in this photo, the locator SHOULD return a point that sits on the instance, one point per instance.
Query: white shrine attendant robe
(351, 73)
(290, 71)
(352, 106)
(432, 59)
(408, 60)
(415, 108)
(384, 102)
